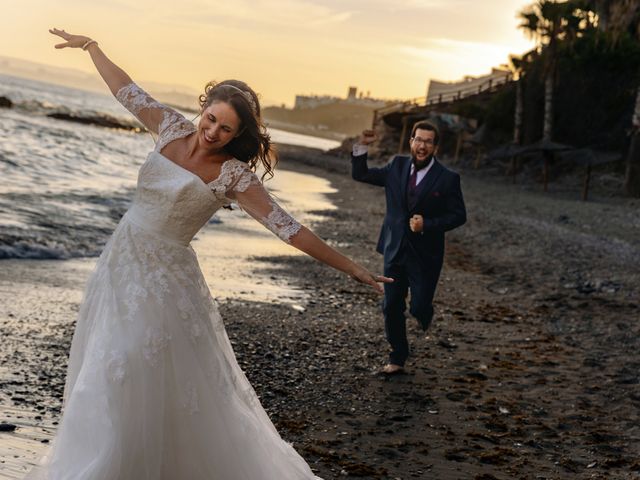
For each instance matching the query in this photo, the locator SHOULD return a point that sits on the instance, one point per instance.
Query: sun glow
(281, 47)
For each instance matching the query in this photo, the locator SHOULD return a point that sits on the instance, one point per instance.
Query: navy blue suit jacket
(439, 201)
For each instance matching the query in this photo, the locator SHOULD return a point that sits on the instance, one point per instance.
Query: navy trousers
(410, 275)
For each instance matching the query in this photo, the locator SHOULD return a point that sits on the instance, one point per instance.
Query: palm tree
(517, 67)
(632, 173)
(620, 18)
(549, 23)
(624, 17)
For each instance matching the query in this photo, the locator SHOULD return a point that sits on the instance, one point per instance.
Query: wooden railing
(490, 85)
(486, 86)
(398, 107)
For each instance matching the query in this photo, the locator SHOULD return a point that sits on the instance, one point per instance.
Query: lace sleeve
(158, 118)
(243, 186)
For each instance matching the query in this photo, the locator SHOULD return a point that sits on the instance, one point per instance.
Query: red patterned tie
(413, 179)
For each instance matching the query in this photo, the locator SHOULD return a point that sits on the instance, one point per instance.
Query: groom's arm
(456, 213)
(361, 172)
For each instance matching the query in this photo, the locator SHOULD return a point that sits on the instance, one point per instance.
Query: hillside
(343, 119)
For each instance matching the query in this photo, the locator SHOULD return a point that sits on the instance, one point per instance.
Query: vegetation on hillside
(580, 86)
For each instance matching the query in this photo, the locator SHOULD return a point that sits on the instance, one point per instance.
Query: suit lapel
(405, 172)
(429, 181)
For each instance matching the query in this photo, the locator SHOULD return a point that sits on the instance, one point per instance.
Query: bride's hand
(72, 41)
(362, 275)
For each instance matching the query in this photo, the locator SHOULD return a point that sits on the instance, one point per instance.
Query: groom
(424, 200)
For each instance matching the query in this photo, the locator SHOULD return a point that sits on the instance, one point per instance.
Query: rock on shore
(5, 102)
(99, 120)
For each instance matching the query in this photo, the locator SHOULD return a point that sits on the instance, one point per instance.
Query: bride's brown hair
(253, 144)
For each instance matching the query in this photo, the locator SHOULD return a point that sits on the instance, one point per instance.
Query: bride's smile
(219, 124)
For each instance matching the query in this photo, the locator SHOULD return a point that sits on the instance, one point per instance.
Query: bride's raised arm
(133, 98)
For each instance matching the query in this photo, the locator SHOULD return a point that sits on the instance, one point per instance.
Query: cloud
(265, 13)
(429, 4)
(404, 5)
(456, 57)
(340, 17)
(456, 46)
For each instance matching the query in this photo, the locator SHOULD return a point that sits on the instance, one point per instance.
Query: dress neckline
(195, 175)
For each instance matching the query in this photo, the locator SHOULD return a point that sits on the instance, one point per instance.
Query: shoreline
(309, 130)
(530, 369)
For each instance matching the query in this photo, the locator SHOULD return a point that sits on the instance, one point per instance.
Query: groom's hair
(426, 125)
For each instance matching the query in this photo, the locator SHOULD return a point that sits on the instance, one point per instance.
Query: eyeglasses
(422, 141)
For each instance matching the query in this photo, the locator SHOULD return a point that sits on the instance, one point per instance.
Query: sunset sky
(280, 47)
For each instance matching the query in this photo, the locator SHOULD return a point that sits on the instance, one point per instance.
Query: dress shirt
(359, 149)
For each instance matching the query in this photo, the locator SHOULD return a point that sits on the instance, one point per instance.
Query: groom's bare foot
(392, 369)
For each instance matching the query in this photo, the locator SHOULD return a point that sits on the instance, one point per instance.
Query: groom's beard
(420, 164)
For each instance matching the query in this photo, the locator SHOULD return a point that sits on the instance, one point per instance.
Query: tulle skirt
(154, 391)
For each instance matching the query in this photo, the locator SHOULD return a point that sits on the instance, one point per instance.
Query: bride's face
(219, 124)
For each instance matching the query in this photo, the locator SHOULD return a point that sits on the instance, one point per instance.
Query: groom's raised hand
(367, 137)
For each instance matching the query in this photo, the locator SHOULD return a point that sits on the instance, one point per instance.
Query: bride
(153, 388)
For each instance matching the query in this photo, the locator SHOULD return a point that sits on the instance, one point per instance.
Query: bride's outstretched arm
(256, 201)
(308, 242)
(113, 75)
(137, 101)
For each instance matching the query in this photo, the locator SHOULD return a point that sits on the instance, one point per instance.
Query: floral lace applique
(281, 223)
(135, 99)
(246, 179)
(116, 364)
(237, 182)
(172, 126)
(230, 173)
(190, 399)
(155, 341)
(137, 271)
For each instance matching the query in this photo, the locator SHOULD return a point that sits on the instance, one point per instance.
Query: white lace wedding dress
(154, 391)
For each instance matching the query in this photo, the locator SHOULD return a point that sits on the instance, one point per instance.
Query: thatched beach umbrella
(548, 150)
(508, 150)
(477, 141)
(589, 158)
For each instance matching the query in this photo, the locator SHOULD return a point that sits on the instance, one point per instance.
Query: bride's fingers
(373, 280)
(376, 280)
(59, 33)
(383, 279)
(62, 34)
(375, 286)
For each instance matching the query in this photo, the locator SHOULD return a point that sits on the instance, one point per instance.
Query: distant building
(313, 101)
(467, 86)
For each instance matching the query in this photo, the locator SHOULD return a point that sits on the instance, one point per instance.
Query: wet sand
(531, 369)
